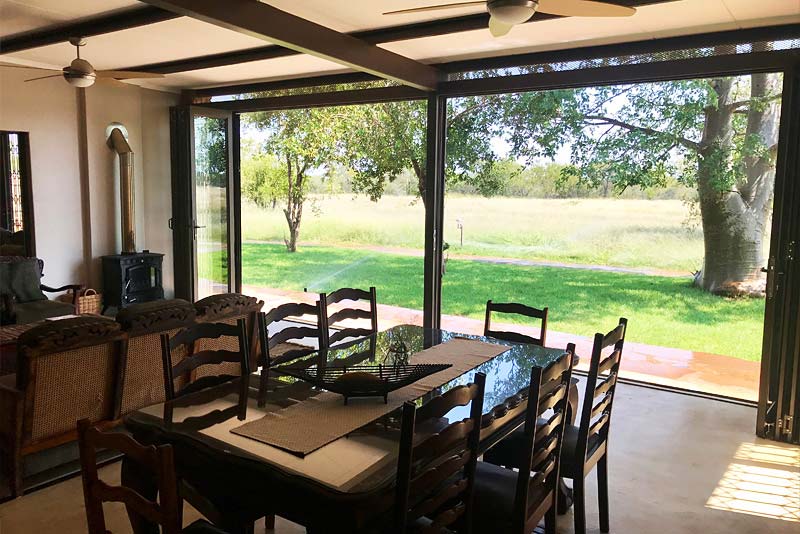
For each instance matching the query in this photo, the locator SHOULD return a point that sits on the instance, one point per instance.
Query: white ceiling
(185, 37)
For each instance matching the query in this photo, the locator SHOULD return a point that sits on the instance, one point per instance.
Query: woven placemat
(305, 427)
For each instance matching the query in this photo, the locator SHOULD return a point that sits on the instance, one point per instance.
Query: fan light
(512, 12)
(80, 73)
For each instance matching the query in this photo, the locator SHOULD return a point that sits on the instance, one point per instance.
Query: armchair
(22, 298)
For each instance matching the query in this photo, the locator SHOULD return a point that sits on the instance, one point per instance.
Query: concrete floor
(678, 464)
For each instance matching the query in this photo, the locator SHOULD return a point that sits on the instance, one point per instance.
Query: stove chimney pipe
(118, 141)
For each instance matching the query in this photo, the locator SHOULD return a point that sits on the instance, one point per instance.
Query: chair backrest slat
(548, 391)
(600, 388)
(195, 360)
(516, 309)
(436, 465)
(286, 343)
(292, 333)
(157, 460)
(348, 313)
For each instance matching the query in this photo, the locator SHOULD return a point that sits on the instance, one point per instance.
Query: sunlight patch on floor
(771, 454)
(759, 487)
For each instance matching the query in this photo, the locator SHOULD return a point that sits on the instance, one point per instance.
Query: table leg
(565, 492)
(142, 482)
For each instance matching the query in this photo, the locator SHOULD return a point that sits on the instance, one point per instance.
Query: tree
(212, 152)
(383, 140)
(718, 135)
(263, 178)
(303, 140)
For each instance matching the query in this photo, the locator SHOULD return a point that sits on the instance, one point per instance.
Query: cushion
(36, 310)
(25, 280)
(509, 450)
(495, 491)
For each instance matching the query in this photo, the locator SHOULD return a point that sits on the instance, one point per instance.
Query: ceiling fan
(505, 14)
(80, 72)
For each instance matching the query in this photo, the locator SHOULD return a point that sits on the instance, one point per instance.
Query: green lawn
(607, 231)
(662, 311)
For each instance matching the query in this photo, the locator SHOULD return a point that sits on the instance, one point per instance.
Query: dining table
(346, 482)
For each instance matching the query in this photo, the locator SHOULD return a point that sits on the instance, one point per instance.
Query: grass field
(664, 311)
(628, 233)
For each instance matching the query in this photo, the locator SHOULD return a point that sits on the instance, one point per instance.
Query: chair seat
(509, 450)
(30, 312)
(495, 489)
(201, 526)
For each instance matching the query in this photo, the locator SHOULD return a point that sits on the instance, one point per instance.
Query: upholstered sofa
(144, 323)
(67, 370)
(22, 298)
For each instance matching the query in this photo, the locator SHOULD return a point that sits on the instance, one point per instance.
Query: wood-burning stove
(131, 278)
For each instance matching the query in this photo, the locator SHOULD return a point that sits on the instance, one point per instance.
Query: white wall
(49, 111)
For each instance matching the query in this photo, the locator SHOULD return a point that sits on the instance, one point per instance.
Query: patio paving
(698, 371)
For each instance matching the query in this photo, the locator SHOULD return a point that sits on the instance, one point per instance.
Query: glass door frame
(184, 209)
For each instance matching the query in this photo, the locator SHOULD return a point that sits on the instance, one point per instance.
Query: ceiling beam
(389, 34)
(263, 21)
(377, 36)
(289, 83)
(58, 33)
(336, 98)
(647, 46)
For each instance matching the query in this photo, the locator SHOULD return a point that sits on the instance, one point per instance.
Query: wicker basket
(89, 301)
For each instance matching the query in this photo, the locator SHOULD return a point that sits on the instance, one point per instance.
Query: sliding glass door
(202, 220)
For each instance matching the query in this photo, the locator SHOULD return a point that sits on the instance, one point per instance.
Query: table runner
(306, 426)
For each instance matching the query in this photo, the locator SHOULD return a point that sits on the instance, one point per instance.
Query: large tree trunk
(294, 203)
(734, 221)
(419, 171)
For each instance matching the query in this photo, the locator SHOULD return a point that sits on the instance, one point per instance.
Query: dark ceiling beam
(58, 33)
(388, 34)
(282, 85)
(263, 21)
(647, 46)
(309, 100)
(680, 69)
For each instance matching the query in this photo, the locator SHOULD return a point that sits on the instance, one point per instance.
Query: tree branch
(688, 143)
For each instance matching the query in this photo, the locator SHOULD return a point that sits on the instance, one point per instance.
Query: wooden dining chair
(517, 309)
(436, 462)
(585, 445)
(184, 369)
(284, 344)
(348, 313)
(515, 502)
(167, 511)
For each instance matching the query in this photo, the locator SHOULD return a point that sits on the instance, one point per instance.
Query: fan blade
(45, 77)
(114, 82)
(583, 8)
(435, 8)
(126, 74)
(497, 28)
(14, 66)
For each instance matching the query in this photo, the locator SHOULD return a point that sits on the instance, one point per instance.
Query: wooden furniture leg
(140, 480)
(602, 492)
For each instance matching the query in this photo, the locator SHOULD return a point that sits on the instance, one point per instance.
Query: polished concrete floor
(678, 464)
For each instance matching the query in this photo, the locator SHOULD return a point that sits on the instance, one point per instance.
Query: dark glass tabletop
(361, 461)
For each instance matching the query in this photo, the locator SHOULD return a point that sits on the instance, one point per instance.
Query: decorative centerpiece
(364, 380)
(397, 353)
